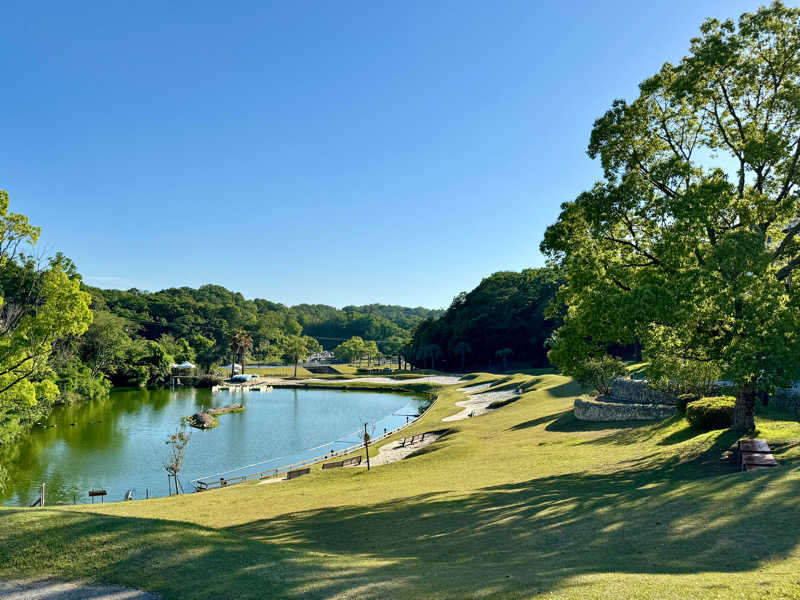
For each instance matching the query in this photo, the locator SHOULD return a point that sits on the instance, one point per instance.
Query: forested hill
(215, 312)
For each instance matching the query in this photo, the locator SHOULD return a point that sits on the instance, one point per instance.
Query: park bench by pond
(410, 441)
(297, 473)
(347, 462)
(755, 454)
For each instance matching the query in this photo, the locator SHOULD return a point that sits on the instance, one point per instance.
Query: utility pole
(366, 444)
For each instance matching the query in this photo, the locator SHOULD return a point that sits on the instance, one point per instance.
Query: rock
(203, 420)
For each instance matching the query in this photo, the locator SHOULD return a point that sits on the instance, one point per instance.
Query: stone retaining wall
(637, 392)
(788, 399)
(589, 409)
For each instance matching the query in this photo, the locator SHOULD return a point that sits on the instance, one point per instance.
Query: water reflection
(117, 442)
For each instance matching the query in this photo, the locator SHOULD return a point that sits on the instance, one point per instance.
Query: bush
(683, 400)
(711, 413)
(600, 372)
(207, 381)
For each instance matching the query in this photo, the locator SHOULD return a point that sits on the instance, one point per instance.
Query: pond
(117, 443)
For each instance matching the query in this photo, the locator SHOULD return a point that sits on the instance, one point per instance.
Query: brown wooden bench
(333, 465)
(297, 473)
(352, 462)
(755, 454)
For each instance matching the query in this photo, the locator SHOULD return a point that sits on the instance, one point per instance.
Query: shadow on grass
(531, 536)
(567, 422)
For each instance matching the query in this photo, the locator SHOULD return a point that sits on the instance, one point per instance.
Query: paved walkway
(50, 589)
(478, 401)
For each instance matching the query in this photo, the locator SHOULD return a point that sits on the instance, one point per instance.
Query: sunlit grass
(526, 501)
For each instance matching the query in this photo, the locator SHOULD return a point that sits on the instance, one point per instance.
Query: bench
(333, 465)
(755, 454)
(352, 462)
(297, 473)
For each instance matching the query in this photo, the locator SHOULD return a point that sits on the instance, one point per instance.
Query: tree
(173, 465)
(312, 345)
(105, 343)
(504, 354)
(350, 350)
(371, 350)
(295, 349)
(394, 347)
(40, 303)
(432, 351)
(462, 349)
(678, 251)
(241, 344)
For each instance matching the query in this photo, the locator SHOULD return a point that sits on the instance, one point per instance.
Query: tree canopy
(507, 311)
(689, 244)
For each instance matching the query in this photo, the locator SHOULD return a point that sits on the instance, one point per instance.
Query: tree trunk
(744, 409)
(295, 368)
(243, 351)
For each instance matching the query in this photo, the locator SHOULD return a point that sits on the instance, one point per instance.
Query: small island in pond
(208, 418)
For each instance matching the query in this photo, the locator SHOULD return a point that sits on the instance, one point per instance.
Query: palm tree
(242, 342)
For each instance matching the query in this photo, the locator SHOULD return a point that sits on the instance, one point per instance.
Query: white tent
(185, 365)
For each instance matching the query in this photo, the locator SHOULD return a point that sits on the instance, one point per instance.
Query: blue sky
(332, 152)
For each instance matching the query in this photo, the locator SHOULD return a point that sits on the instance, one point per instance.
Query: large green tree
(690, 244)
(40, 303)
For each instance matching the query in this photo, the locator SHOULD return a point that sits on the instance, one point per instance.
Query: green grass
(523, 502)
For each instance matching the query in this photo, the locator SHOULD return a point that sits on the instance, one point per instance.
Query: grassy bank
(525, 501)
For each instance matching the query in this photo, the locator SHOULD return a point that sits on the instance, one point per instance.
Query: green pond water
(117, 443)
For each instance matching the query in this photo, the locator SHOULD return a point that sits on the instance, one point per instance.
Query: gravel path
(439, 379)
(478, 401)
(393, 452)
(50, 589)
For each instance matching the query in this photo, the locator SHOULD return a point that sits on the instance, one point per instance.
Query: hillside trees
(507, 310)
(690, 243)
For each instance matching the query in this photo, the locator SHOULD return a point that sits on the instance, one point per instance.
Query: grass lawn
(523, 502)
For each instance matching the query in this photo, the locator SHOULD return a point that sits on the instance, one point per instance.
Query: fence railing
(206, 483)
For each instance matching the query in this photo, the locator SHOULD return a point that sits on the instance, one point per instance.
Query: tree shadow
(567, 422)
(532, 535)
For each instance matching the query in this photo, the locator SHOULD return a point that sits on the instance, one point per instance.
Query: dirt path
(50, 589)
(478, 401)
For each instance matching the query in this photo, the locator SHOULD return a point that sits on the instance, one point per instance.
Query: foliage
(599, 372)
(350, 350)
(683, 400)
(713, 412)
(678, 250)
(507, 310)
(207, 381)
(41, 303)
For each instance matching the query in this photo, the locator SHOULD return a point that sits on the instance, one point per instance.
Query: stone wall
(637, 392)
(788, 399)
(589, 409)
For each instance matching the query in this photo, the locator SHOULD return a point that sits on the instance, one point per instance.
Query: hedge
(711, 413)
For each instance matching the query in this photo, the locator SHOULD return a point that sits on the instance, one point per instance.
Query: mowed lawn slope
(523, 502)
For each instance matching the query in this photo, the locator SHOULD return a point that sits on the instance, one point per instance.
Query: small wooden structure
(297, 473)
(755, 454)
(101, 493)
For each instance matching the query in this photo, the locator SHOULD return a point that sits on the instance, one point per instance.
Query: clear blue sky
(333, 152)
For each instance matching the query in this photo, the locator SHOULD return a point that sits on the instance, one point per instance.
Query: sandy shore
(478, 401)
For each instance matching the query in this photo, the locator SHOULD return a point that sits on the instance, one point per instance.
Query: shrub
(207, 381)
(683, 400)
(600, 372)
(711, 413)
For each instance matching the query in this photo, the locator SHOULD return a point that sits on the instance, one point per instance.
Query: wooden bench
(352, 462)
(755, 454)
(333, 465)
(297, 473)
